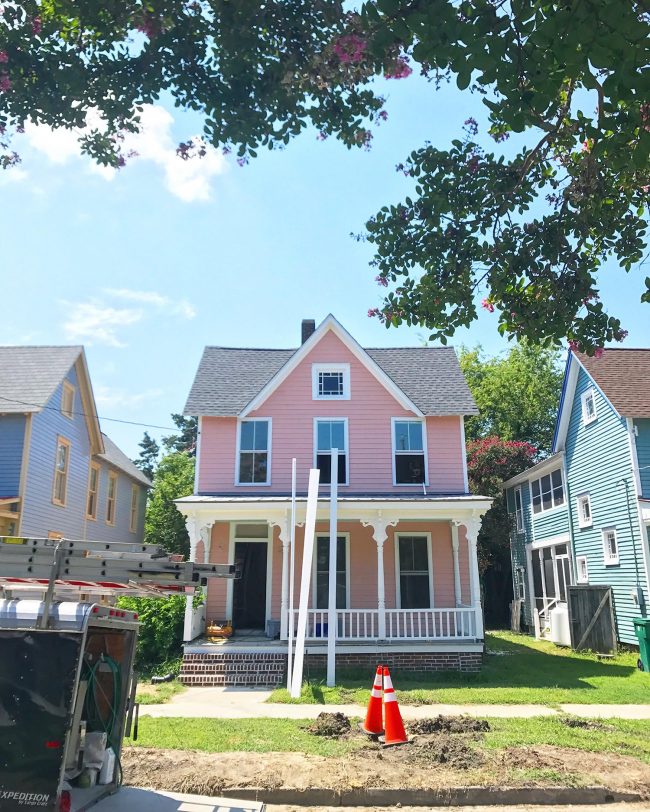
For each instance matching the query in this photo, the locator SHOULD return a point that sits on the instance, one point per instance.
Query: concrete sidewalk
(250, 703)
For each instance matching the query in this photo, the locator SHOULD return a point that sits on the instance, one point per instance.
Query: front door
(249, 595)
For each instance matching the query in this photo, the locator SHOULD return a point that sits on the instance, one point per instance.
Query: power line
(95, 416)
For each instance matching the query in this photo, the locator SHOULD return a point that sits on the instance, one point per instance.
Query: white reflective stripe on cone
(375, 694)
(389, 697)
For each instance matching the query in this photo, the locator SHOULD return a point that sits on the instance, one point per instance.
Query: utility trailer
(67, 684)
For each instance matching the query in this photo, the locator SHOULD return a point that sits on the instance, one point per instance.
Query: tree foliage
(529, 228)
(185, 441)
(517, 394)
(148, 457)
(164, 524)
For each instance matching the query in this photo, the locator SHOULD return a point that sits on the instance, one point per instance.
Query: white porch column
(379, 526)
(472, 526)
(285, 538)
(191, 523)
(458, 595)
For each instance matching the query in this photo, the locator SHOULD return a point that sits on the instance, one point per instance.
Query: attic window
(330, 381)
(67, 400)
(588, 407)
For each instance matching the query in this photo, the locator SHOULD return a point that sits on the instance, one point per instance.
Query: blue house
(582, 515)
(59, 474)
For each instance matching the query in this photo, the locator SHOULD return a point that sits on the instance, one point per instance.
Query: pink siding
(369, 413)
(363, 566)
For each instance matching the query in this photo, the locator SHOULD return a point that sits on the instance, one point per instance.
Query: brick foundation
(237, 668)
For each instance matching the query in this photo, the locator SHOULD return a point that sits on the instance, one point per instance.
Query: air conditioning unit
(559, 622)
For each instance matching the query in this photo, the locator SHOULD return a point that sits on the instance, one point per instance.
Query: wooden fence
(591, 618)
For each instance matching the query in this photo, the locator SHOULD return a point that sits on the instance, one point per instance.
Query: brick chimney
(308, 327)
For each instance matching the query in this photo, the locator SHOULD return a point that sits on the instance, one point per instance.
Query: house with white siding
(60, 476)
(582, 516)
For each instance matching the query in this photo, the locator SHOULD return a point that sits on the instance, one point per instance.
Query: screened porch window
(331, 434)
(322, 572)
(254, 444)
(409, 452)
(414, 580)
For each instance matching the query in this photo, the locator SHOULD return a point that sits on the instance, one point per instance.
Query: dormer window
(330, 381)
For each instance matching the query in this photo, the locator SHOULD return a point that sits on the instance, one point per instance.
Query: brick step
(233, 669)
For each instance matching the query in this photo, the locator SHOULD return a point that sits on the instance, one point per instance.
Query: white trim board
(330, 323)
(562, 538)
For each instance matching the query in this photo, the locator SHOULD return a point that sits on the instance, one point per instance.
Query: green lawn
(289, 735)
(148, 694)
(520, 670)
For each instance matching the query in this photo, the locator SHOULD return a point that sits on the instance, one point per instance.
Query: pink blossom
(621, 335)
(4, 57)
(381, 280)
(5, 82)
(242, 161)
(598, 352)
(487, 304)
(400, 70)
(383, 115)
(350, 48)
(586, 145)
(374, 311)
(574, 345)
(37, 26)
(321, 136)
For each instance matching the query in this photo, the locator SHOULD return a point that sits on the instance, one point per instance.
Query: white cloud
(109, 398)
(190, 180)
(95, 323)
(181, 307)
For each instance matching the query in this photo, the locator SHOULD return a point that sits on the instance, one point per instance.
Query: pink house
(407, 572)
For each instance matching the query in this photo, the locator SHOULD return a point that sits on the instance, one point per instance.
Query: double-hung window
(610, 546)
(331, 434)
(589, 413)
(61, 466)
(67, 400)
(583, 569)
(547, 491)
(93, 488)
(584, 511)
(111, 498)
(322, 572)
(414, 572)
(133, 516)
(254, 452)
(409, 461)
(519, 511)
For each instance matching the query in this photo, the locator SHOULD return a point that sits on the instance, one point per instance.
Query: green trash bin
(642, 631)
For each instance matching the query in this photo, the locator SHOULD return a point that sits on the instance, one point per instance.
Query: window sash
(67, 400)
(588, 406)
(61, 466)
(547, 491)
(133, 521)
(583, 569)
(610, 542)
(331, 434)
(254, 442)
(111, 494)
(408, 436)
(322, 572)
(93, 487)
(584, 511)
(331, 384)
(414, 572)
(519, 510)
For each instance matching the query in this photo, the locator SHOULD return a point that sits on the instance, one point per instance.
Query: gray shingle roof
(30, 375)
(229, 378)
(118, 459)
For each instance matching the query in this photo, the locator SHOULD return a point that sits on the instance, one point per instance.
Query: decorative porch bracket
(197, 532)
(380, 525)
(283, 524)
(472, 526)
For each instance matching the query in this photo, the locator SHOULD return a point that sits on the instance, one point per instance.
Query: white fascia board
(566, 403)
(551, 541)
(535, 471)
(330, 323)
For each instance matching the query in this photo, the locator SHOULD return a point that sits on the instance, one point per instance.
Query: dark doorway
(249, 597)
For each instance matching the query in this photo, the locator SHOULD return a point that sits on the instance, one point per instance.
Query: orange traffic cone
(395, 733)
(373, 724)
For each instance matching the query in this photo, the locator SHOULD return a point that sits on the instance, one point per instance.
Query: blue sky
(147, 266)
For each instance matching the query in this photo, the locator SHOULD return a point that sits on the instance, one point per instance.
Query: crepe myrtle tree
(527, 230)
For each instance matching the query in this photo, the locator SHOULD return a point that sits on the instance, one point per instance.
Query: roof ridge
(41, 347)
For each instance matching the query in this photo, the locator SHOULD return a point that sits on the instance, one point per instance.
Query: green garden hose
(92, 707)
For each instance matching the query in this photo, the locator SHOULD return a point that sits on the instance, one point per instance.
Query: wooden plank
(593, 620)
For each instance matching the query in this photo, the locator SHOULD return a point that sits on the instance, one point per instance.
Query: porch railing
(401, 624)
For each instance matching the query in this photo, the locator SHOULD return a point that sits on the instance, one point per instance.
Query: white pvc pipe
(307, 556)
(332, 625)
(292, 569)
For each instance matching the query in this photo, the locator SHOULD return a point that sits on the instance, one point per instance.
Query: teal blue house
(60, 476)
(582, 515)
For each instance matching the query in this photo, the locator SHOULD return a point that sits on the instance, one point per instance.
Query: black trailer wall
(37, 677)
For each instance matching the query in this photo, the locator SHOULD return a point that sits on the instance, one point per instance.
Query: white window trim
(425, 451)
(344, 368)
(520, 582)
(344, 420)
(68, 387)
(266, 484)
(607, 559)
(326, 535)
(398, 596)
(519, 514)
(232, 539)
(546, 511)
(579, 578)
(581, 521)
(591, 392)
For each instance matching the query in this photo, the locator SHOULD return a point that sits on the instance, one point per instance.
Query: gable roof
(623, 376)
(234, 381)
(29, 376)
(118, 459)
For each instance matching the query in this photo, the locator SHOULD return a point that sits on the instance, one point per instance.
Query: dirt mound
(584, 724)
(449, 724)
(452, 751)
(332, 725)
